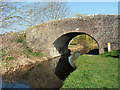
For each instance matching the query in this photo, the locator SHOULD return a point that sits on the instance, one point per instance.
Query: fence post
(109, 48)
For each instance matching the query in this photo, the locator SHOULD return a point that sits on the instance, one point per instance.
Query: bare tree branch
(20, 13)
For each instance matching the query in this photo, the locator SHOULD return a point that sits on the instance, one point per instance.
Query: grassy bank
(16, 57)
(98, 71)
(17, 46)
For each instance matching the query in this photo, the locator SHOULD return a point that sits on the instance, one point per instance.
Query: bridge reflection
(66, 65)
(63, 68)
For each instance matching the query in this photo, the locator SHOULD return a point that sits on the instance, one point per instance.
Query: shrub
(9, 58)
(113, 53)
(19, 40)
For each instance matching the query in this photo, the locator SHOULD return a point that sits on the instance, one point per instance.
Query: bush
(19, 40)
(113, 53)
(9, 58)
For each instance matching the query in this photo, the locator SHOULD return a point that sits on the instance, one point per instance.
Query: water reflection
(15, 85)
(63, 68)
(74, 56)
(49, 74)
(44, 77)
(66, 65)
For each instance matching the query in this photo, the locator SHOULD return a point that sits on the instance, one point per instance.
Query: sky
(60, 0)
(91, 8)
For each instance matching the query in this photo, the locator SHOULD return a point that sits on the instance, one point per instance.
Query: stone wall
(103, 28)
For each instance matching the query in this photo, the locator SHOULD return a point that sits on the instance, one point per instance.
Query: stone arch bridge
(53, 37)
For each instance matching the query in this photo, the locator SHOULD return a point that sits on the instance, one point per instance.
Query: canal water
(50, 74)
(22, 84)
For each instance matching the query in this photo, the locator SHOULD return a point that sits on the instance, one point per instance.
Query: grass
(29, 53)
(98, 71)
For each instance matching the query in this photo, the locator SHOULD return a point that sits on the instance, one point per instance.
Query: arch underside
(61, 44)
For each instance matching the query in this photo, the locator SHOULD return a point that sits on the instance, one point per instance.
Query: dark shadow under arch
(61, 43)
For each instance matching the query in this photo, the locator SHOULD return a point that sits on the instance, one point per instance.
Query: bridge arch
(61, 42)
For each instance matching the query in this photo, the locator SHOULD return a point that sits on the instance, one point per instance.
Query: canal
(49, 74)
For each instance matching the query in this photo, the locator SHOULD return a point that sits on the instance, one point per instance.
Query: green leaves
(9, 58)
(19, 40)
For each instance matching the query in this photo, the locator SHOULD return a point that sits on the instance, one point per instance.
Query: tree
(30, 14)
(11, 16)
(56, 10)
(13, 13)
